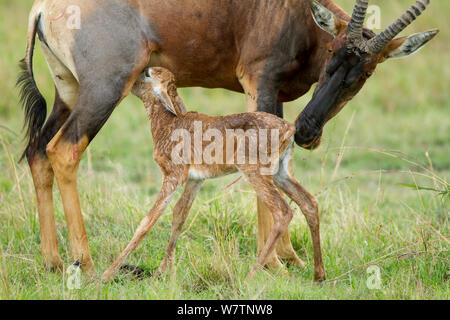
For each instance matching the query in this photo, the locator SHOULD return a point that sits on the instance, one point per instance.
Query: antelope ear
(403, 47)
(167, 102)
(324, 18)
(181, 110)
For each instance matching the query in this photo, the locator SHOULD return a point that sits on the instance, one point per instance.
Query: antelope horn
(378, 43)
(355, 27)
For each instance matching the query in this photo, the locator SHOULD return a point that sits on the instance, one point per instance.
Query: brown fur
(164, 123)
(42, 174)
(271, 50)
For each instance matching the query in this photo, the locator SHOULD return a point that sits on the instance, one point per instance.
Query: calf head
(158, 85)
(352, 59)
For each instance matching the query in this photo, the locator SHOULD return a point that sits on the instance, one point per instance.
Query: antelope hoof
(320, 276)
(55, 265)
(297, 262)
(159, 272)
(88, 268)
(108, 276)
(283, 272)
(274, 264)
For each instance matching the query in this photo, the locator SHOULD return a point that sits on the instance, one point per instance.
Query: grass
(380, 177)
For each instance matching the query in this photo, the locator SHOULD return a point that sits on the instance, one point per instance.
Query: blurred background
(380, 176)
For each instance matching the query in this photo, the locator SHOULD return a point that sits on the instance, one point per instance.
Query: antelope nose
(307, 136)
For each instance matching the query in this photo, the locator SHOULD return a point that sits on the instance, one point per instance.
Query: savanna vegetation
(381, 177)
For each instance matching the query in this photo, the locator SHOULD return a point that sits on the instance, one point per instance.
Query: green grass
(398, 134)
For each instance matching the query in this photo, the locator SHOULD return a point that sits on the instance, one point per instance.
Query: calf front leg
(180, 214)
(165, 195)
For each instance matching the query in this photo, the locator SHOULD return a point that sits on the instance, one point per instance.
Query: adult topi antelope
(272, 50)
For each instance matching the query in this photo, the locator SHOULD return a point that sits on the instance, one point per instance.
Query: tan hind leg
(285, 180)
(65, 158)
(66, 94)
(265, 224)
(42, 173)
(43, 179)
(284, 248)
(180, 214)
(101, 89)
(281, 212)
(165, 195)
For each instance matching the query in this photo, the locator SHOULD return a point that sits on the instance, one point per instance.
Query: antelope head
(353, 55)
(158, 84)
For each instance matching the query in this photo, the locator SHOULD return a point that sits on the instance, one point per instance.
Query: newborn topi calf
(190, 147)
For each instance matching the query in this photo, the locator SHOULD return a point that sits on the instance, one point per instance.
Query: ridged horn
(378, 43)
(355, 27)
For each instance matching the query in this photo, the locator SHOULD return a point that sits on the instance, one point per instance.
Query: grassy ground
(396, 132)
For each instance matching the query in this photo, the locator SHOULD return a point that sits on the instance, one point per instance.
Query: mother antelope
(271, 50)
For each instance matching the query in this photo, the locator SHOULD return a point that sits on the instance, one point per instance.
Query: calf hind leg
(281, 212)
(284, 248)
(286, 181)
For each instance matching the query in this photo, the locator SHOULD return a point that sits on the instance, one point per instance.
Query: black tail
(34, 104)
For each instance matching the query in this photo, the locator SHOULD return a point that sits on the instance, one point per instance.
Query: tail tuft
(34, 105)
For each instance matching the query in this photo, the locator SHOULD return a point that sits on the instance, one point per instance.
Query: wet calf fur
(167, 113)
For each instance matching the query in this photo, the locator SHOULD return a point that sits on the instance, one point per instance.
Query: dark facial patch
(354, 74)
(343, 72)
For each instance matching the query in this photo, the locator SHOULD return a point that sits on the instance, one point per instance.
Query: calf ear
(325, 19)
(403, 47)
(181, 110)
(167, 102)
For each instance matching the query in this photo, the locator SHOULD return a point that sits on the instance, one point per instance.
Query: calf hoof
(274, 264)
(108, 276)
(296, 262)
(134, 271)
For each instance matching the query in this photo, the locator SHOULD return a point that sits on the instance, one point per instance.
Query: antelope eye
(368, 74)
(330, 50)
